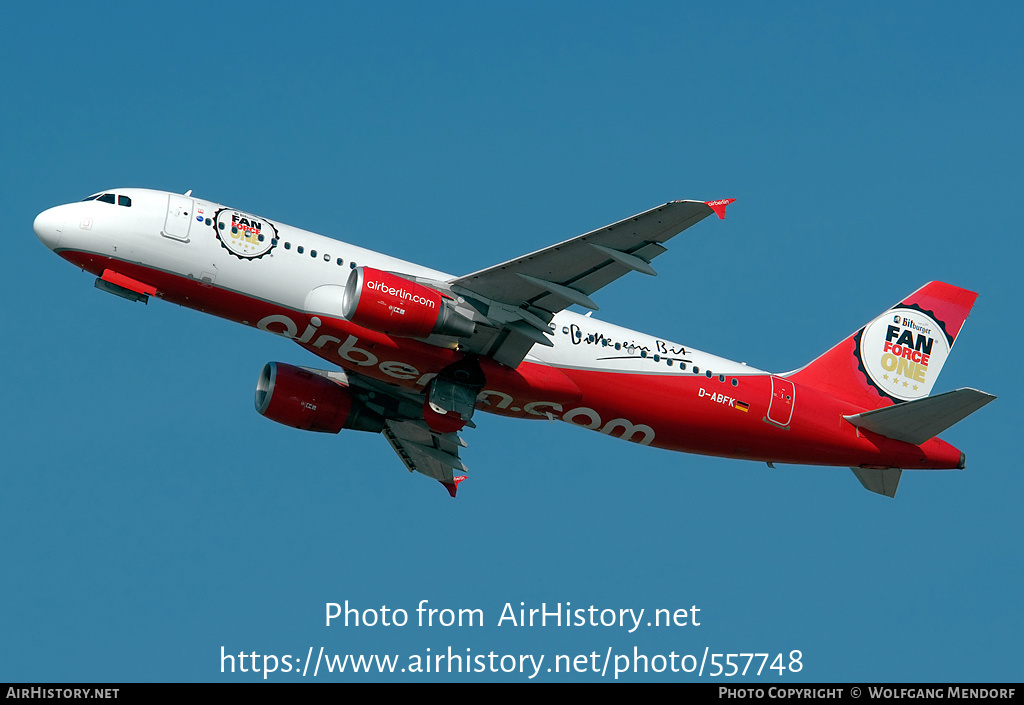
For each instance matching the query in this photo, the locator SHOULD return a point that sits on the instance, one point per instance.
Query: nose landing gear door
(179, 217)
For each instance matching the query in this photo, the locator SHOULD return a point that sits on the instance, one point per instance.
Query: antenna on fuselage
(189, 192)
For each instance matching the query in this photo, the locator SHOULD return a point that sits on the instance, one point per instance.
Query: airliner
(413, 353)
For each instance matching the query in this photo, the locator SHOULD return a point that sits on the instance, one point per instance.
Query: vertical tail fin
(897, 356)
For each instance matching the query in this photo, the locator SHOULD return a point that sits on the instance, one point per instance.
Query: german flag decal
(742, 406)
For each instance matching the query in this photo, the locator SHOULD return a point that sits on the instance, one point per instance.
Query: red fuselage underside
(752, 419)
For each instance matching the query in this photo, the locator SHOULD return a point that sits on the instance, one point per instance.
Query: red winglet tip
(719, 206)
(452, 487)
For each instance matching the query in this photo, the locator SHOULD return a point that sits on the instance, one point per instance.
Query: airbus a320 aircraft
(415, 352)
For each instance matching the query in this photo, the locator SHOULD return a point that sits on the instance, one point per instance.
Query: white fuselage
(303, 261)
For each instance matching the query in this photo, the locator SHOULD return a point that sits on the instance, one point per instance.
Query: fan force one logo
(243, 235)
(903, 352)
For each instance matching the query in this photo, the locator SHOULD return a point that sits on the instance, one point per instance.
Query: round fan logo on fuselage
(903, 351)
(245, 236)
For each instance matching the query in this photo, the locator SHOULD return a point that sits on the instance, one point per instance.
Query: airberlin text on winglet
(719, 206)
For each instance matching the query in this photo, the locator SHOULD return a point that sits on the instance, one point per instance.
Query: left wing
(519, 298)
(421, 448)
(424, 450)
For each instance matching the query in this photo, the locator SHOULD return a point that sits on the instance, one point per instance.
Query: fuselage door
(780, 408)
(179, 217)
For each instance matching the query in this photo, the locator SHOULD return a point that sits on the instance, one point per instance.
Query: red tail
(896, 357)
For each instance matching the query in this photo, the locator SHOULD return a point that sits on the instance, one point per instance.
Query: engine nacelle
(308, 399)
(388, 303)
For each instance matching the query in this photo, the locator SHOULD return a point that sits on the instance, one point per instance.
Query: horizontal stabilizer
(917, 421)
(879, 480)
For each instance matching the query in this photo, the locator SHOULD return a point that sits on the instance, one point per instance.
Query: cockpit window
(109, 198)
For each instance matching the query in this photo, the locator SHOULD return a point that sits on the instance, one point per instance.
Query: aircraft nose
(48, 226)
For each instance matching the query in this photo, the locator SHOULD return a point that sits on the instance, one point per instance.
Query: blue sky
(149, 516)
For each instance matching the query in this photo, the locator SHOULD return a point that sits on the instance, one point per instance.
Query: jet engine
(388, 303)
(310, 400)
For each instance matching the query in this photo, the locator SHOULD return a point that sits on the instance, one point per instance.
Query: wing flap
(425, 451)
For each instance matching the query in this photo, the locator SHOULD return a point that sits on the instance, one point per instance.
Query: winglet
(454, 485)
(719, 206)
